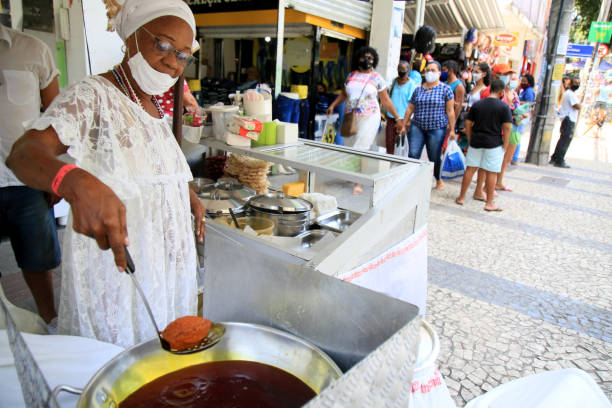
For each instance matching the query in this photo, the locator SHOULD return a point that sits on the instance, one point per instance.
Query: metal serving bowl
(145, 362)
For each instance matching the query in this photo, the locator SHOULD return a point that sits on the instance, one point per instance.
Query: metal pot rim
(282, 206)
(107, 369)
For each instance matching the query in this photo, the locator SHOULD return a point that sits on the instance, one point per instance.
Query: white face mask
(476, 77)
(432, 76)
(150, 80)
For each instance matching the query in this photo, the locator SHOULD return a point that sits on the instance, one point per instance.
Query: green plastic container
(267, 135)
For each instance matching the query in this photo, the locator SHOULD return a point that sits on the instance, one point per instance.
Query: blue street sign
(579, 50)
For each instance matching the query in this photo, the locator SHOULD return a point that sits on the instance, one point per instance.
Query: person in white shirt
(569, 116)
(28, 80)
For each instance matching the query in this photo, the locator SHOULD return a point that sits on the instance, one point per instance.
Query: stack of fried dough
(251, 172)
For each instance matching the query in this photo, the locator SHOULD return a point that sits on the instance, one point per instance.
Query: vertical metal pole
(422, 13)
(280, 34)
(418, 22)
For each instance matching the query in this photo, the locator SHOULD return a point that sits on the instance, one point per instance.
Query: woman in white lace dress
(131, 180)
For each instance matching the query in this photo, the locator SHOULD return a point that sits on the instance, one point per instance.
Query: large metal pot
(219, 197)
(145, 362)
(291, 214)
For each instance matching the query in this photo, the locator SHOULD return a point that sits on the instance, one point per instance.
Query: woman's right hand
(330, 110)
(97, 212)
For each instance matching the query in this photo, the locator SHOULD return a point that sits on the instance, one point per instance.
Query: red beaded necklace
(123, 80)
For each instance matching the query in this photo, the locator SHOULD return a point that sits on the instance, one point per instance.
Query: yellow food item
(294, 189)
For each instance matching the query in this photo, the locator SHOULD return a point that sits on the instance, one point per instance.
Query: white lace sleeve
(73, 115)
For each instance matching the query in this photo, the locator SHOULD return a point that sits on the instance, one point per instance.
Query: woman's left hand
(199, 212)
(452, 135)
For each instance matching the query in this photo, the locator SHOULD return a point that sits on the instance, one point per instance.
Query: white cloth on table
(367, 129)
(137, 156)
(63, 360)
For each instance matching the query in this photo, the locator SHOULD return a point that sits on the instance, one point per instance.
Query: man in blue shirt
(527, 95)
(401, 92)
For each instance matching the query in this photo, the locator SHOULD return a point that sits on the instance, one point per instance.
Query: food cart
(380, 239)
(301, 286)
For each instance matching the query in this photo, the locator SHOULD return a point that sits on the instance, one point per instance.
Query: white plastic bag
(429, 390)
(453, 162)
(401, 145)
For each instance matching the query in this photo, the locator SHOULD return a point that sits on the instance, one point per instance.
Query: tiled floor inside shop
(517, 292)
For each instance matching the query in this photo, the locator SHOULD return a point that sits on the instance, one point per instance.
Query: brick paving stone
(606, 376)
(452, 384)
(519, 292)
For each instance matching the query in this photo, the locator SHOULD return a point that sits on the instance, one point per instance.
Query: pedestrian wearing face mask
(512, 100)
(450, 70)
(481, 79)
(401, 91)
(504, 73)
(481, 76)
(362, 90)
(433, 105)
(570, 107)
(526, 95)
(130, 179)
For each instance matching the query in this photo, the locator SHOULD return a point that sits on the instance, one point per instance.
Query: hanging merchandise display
(425, 40)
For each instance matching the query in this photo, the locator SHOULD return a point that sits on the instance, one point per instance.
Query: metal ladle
(217, 330)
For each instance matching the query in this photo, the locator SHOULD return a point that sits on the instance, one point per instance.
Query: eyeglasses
(164, 48)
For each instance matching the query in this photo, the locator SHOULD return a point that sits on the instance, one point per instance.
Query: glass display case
(333, 170)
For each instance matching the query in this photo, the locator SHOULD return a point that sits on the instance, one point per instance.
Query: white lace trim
(137, 156)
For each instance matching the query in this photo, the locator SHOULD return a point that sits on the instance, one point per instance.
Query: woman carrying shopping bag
(433, 106)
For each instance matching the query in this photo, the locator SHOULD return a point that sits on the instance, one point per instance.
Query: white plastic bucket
(428, 387)
(263, 107)
(221, 116)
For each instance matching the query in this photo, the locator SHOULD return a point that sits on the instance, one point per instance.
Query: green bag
(515, 138)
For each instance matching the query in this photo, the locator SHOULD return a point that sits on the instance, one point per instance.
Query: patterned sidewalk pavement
(528, 289)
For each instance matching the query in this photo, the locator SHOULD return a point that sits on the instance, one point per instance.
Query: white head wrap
(127, 16)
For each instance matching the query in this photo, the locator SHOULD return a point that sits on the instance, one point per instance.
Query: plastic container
(262, 226)
(267, 135)
(428, 387)
(286, 132)
(263, 107)
(221, 116)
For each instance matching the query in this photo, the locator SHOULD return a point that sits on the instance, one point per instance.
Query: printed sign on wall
(506, 39)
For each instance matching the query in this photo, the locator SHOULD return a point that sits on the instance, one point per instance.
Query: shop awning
(255, 31)
(450, 17)
(356, 13)
(261, 23)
